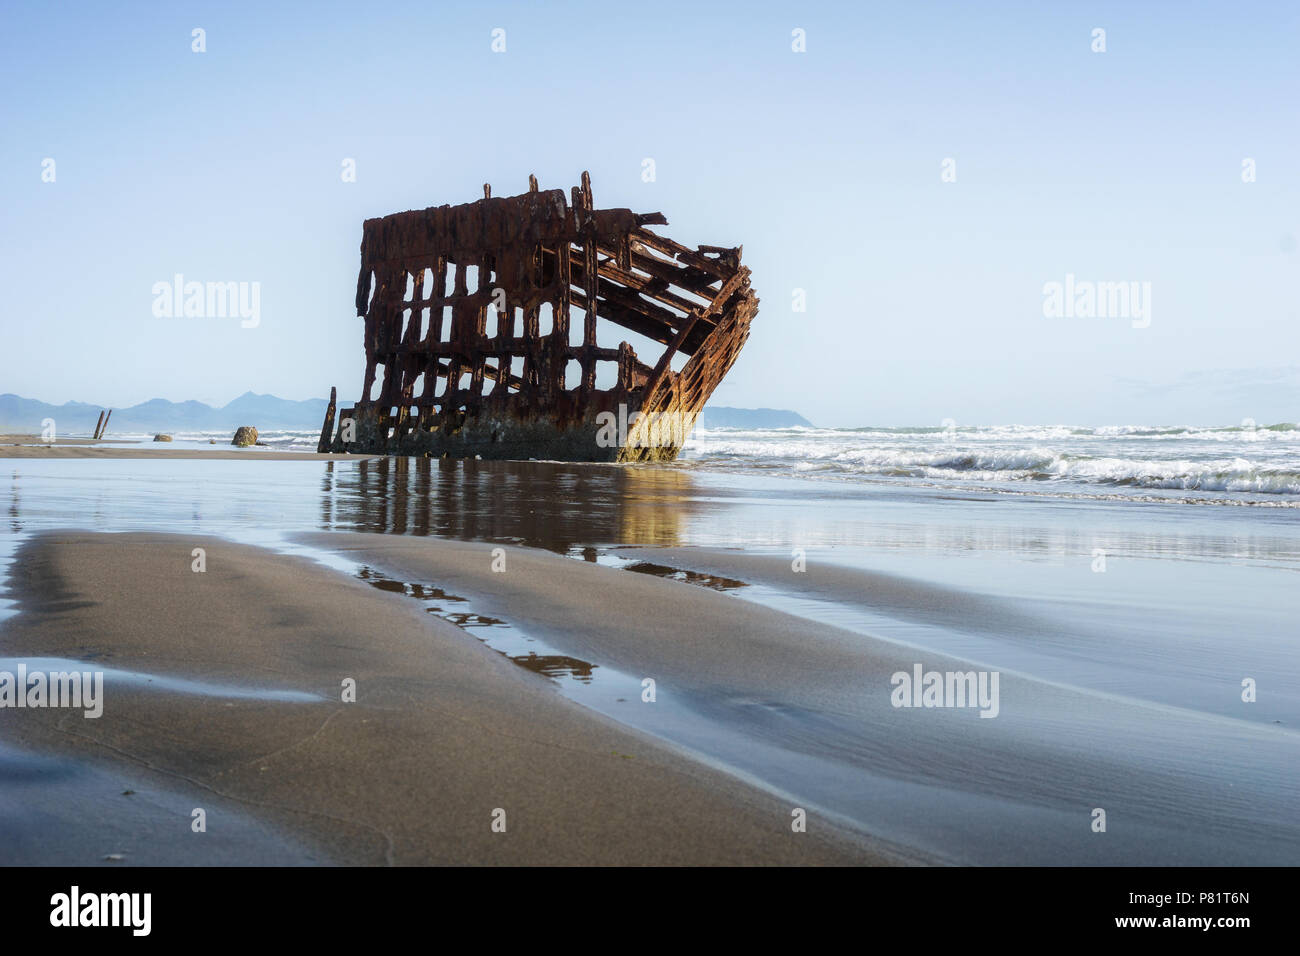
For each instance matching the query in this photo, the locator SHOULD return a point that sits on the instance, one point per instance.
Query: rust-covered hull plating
(485, 325)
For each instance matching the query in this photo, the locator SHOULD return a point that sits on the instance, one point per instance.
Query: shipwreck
(490, 331)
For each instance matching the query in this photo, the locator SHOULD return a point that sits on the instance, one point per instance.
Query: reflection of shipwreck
(482, 324)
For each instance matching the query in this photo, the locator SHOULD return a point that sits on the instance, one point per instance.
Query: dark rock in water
(245, 435)
(212, 441)
(162, 437)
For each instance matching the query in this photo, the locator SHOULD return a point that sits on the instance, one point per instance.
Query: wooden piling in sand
(327, 430)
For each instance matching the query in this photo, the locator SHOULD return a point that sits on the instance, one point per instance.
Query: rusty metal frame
(430, 354)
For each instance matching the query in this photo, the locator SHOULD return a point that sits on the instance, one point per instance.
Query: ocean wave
(1280, 430)
(1234, 474)
(1123, 460)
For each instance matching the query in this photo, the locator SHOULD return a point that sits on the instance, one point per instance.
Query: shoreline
(779, 682)
(954, 487)
(443, 732)
(28, 447)
(804, 706)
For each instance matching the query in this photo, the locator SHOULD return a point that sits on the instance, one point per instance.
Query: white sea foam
(1220, 461)
(1229, 464)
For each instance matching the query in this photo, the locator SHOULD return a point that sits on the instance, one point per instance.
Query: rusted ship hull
(486, 326)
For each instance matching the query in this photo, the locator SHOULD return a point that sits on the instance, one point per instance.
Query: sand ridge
(442, 733)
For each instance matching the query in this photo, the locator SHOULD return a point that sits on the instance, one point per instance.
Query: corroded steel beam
(485, 336)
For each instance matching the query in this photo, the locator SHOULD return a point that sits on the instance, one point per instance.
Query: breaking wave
(1235, 460)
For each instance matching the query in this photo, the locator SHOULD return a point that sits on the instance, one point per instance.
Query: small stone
(114, 858)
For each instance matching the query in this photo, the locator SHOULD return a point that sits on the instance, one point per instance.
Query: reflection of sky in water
(562, 506)
(1182, 578)
(506, 640)
(511, 642)
(114, 677)
(9, 544)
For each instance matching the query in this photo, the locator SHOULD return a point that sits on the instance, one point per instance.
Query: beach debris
(245, 435)
(488, 332)
(102, 425)
(328, 428)
(162, 437)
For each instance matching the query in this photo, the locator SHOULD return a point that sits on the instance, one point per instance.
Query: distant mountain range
(265, 412)
(723, 417)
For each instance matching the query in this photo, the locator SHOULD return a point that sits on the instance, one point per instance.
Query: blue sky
(924, 297)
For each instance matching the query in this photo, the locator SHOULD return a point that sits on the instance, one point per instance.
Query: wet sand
(443, 732)
(806, 707)
(1120, 690)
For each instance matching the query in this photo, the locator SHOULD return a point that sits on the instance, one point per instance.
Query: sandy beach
(442, 733)
(501, 620)
(31, 446)
(805, 706)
